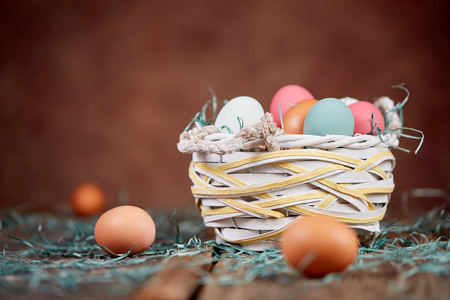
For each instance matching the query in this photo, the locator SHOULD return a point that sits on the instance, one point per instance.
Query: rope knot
(270, 132)
(194, 139)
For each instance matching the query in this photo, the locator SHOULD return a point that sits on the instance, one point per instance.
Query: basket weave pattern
(251, 197)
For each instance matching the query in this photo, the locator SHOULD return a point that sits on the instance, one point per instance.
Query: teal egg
(329, 116)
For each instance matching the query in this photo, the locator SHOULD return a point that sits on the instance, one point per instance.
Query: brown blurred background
(100, 90)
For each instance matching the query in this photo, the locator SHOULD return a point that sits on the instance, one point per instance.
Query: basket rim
(210, 139)
(327, 142)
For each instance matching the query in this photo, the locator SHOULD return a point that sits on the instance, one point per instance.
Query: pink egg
(287, 94)
(362, 113)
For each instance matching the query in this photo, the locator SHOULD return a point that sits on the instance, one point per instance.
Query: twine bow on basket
(199, 139)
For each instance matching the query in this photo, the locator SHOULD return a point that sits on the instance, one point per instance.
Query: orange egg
(88, 199)
(318, 245)
(121, 227)
(294, 119)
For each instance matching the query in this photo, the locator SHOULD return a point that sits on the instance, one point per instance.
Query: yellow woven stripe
(194, 178)
(373, 159)
(381, 172)
(254, 239)
(219, 211)
(376, 190)
(308, 212)
(283, 153)
(361, 164)
(342, 188)
(333, 185)
(291, 167)
(258, 210)
(291, 199)
(326, 201)
(209, 169)
(226, 176)
(265, 204)
(343, 219)
(257, 189)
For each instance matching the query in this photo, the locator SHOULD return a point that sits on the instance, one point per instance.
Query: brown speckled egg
(318, 245)
(120, 227)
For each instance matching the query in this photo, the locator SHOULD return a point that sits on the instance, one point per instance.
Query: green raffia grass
(61, 257)
(410, 246)
(207, 115)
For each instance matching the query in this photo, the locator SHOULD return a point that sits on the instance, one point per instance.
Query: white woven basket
(251, 196)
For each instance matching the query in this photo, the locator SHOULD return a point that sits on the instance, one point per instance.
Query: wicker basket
(251, 196)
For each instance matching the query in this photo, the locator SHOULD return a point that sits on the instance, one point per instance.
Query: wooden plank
(226, 267)
(178, 280)
(382, 282)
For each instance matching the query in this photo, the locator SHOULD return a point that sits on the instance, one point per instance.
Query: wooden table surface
(382, 282)
(205, 274)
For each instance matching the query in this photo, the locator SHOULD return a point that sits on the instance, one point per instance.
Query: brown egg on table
(319, 245)
(121, 227)
(294, 118)
(88, 199)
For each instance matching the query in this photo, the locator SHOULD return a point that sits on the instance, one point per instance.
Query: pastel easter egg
(329, 116)
(289, 94)
(238, 112)
(294, 119)
(348, 100)
(364, 123)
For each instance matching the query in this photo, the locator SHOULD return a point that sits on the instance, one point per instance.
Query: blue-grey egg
(329, 116)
